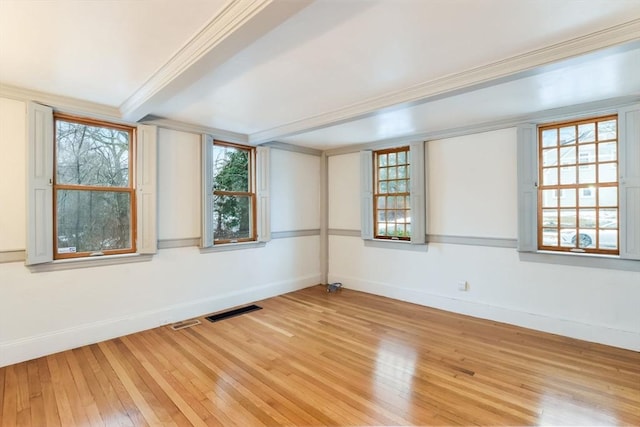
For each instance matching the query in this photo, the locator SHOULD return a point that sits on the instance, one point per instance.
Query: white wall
(46, 312)
(472, 188)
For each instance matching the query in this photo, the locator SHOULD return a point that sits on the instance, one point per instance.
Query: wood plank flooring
(312, 358)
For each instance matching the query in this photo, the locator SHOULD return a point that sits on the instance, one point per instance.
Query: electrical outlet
(463, 286)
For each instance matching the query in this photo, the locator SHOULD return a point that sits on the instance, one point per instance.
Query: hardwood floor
(312, 358)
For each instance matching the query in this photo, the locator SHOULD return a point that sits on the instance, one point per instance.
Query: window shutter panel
(629, 181)
(527, 188)
(417, 191)
(206, 153)
(263, 207)
(146, 189)
(39, 184)
(366, 194)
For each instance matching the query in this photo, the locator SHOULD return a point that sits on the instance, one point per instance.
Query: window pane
(91, 155)
(587, 174)
(393, 173)
(586, 197)
(608, 239)
(92, 221)
(607, 152)
(549, 198)
(568, 175)
(568, 237)
(608, 218)
(382, 159)
(382, 174)
(232, 217)
(568, 197)
(550, 236)
(392, 159)
(549, 138)
(230, 169)
(402, 186)
(402, 171)
(567, 135)
(383, 187)
(382, 216)
(585, 239)
(568, 156)
(549, 217)
(402, 158)
(607, 172)
(607, 130)
(381, 203)
(391, 202)
(382, 229)
(392, 187)
(550, 157)
(608, 196)
(568, 218)
(587, 218)
(587, 153)
(550, 176)
(587, 132)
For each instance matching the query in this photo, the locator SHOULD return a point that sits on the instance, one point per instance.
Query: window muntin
(234, 198)
(93, 188)
(578, 191)
(391, 198)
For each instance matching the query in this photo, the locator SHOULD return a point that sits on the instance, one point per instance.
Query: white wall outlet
(463, 286)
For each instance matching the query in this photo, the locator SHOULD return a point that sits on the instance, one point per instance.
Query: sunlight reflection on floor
(395, 367)
(561, 410)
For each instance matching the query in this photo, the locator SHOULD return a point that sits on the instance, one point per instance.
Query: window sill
(610, 262)
(89, 262)
(226, 247)
(395, 244)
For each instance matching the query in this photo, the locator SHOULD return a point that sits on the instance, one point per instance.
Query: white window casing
(417, 192)
(263, 204)
(207, 190)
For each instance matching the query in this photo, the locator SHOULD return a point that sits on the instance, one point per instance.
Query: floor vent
(232, 313)
(185, 324)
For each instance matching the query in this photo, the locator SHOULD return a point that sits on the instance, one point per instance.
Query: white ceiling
(323, 73)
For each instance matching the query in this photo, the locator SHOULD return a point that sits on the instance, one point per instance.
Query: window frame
(130, 189)
(377, 194)
(251, 193)
(560, 189)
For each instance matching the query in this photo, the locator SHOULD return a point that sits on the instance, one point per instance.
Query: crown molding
(61, 103)
(620, 37)
(238, 24)
(284, 146)
(220, 134)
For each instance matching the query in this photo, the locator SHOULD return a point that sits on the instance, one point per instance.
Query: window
(594, 166)
(234, 198)
(391, 198)
(91, 188)
(235, 183)
(93, 192)
(578, 191)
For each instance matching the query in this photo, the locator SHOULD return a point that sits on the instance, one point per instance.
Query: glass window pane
(391, 202)
(550, 157)
(549, 198)
(230, 169)
(382, 229)
(607, 172)
(586, 197)
(608, 196)
(402, 157)
(568, 237)
(607, 130)
(382, 216)
(568, 155)
(232, 217)
(408, 229)
(567, 135)
(550, 176)
(382, 173)
(586, 239)
(549, 137)
(587, 132)
(382, 187)
(400, 202)
(568, 218)
(382, 159)
(91, 155)
(587, 218)
(568, 197)
(393, 173)
(93, 221)
(608, 239)
(587, 174)
(550, 236)
(393, 187)
(607, 151)
(402, 186)
(568, 175)
(608, 218)
(587, 153)
(391, 229)
(381, 204)
(549, 217)
(392, 159)
(402, 171)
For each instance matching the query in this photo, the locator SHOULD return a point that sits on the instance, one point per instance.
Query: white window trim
(263, 204)
(40, 141)
(417, 192)
(629, 193)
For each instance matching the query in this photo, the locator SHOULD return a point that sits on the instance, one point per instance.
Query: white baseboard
(629, 340)
(52, 342)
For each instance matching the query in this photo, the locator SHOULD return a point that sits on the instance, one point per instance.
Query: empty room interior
(319, 212)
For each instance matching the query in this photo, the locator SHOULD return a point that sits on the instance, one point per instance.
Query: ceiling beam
(238, 24)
